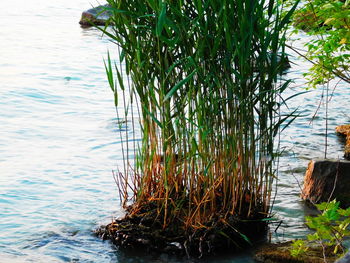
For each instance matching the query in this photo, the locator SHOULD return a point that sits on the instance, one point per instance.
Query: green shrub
(331, 227)
(328, 22)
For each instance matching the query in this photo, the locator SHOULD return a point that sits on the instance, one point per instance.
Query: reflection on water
(59, 140)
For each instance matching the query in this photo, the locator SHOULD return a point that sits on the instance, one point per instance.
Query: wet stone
(97, 15)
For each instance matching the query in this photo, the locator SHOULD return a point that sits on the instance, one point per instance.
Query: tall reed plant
(204, 78)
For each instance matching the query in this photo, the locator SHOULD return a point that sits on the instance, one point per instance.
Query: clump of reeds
(202, 80)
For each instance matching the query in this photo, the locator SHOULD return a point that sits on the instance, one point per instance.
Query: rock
(280, 253)
(327, 179)
(344, 130)
(344, 259)
(97, 15)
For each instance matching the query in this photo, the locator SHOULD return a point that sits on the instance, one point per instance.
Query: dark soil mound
(144, 231)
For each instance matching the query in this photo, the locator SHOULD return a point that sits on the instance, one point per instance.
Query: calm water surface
(59, 140)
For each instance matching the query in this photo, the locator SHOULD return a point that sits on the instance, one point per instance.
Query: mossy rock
(280, 253)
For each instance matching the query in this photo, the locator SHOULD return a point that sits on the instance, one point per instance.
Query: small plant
(299, 247)
(331, 227)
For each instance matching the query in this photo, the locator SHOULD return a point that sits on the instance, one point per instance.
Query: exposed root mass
(144, 231)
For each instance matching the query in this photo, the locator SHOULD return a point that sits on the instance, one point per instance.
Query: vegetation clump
(201, 80)
(331, 227)
(328, 23)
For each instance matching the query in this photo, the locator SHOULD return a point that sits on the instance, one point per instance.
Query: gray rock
(327, 180)
(97, 15)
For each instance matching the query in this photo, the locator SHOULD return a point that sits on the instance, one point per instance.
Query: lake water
(59, 141)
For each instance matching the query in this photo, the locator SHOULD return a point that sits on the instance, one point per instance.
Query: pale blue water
(59, 140)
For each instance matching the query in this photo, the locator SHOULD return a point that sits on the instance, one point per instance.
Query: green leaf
(120, 79)
(153, 117)
(109, 71)
(345, 212)
(288, 15)
(161, 20)
(179, 85)
(323, 206)
(313, 237)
